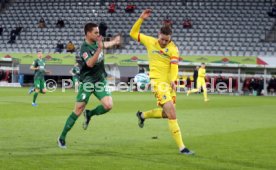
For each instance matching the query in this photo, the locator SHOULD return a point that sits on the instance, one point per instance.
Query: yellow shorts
(163, 92)
(200, 83)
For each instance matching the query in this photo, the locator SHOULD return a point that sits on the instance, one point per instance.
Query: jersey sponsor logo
(100, 58)
(83, 96)
(85, 55)
(92, 52)
(160, 52)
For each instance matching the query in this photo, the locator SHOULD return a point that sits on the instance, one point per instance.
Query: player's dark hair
(89, 27)
(202, 63)
(166, 29)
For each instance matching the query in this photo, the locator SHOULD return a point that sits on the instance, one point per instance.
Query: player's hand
(117, 40)
(48, 72)
(100, 42)
(146, 13)
(173, 85)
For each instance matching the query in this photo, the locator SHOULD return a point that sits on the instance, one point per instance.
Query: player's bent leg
(107, 103)
(106, 106)
(192, 91)
(44, 91)
(197, 89)
(160, 89)
(154, 113)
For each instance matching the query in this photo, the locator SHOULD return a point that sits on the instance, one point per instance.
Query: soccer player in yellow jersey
(163, 63)
(200, 83)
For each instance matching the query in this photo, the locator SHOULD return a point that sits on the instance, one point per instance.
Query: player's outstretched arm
(114, 41)
(134, 32)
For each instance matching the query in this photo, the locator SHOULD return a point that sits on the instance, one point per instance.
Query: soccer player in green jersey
(75, 72)
(92, 80)
(39, 81)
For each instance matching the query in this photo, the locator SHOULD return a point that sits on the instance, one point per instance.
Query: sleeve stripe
(139, 37)
(174, 62)
(173, 57)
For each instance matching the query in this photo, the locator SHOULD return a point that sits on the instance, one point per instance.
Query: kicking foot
(140, 119)
(34, 104)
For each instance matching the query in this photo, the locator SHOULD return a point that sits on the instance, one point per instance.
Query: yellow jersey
(201, 73)
(163, 62)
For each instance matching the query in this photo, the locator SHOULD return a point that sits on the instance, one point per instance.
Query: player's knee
(37, 90)
(79, 109)
(108, 106)
(164, 115)
(171, 115)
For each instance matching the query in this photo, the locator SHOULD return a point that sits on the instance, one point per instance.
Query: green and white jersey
(76, 72)
(97, 72)
(40, 63)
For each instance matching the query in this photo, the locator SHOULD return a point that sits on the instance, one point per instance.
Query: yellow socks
(205, 94)
(173, 125)
(155, 113)
(194, 90)
(176, 133)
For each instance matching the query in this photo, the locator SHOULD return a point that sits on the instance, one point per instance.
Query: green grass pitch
(229, 132)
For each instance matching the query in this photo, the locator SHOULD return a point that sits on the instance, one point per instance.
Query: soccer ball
(142, 80)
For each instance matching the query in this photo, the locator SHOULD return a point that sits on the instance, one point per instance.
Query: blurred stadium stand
(219, 27)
